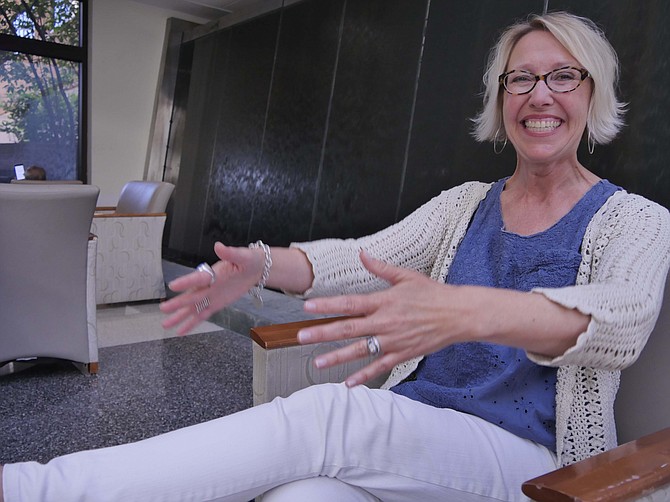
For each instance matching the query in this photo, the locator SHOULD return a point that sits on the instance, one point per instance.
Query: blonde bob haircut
(588, 45)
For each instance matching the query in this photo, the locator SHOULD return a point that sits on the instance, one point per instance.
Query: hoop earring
(496, 142)
(590, 143)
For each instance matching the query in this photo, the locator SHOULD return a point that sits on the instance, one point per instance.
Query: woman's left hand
(415, 316)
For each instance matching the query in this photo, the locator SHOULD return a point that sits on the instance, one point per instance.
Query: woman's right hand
(238, 270)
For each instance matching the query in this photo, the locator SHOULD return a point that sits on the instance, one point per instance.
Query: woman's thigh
(398, 449)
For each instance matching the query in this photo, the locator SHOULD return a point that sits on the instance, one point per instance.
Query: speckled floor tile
(142, 389)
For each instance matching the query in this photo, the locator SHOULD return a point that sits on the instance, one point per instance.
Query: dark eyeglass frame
(503, 78)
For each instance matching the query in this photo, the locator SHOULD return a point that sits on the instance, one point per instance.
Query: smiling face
(544, 126)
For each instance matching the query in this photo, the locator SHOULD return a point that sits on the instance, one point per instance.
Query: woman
(527, 296)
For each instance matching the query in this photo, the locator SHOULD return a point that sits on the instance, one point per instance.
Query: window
(43, 86)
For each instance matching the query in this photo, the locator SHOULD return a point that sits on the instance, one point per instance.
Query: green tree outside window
(40, 96)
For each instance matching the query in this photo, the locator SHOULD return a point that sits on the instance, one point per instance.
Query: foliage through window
(42, 65)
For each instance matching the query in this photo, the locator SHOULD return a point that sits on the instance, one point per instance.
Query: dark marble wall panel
(298, 110)
(332, 106)
(203, 72)
(370, 117)
(235, 176)
(638, 158)
(442, 151)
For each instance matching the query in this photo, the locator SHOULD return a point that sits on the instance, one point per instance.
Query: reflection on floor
(136, 322)
(150, 381)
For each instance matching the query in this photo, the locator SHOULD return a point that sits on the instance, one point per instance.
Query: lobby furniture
(130, 236)
(47, 308)
(639, 469)
(282, 366)
(635, 471)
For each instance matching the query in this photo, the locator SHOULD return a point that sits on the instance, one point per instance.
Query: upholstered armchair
(129, 257)
(638, 470)
(47, 292)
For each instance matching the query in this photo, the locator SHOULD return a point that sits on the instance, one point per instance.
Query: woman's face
(545, 126)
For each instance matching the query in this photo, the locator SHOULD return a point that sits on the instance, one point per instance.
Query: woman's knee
(320, 488)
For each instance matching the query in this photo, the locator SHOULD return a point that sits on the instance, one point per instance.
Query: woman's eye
(565, 76)
(522, 79)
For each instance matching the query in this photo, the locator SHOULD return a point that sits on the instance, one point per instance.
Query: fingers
(186, 319)
(230, 254)
(201, 294)
(355, 351)
(376, 368)
(358, 350)
(384, 270)
(337, 330)
(194, 280)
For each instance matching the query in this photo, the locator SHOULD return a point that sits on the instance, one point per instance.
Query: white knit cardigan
(625, 259)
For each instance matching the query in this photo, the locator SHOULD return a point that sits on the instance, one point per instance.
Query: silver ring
(204, 267)
(201, 305)
(373, 345)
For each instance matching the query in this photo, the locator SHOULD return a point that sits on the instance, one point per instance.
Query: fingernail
(304, 336)
(311, 306)
(319, 362)
(351, 382)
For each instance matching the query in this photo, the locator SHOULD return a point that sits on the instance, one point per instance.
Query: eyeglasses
(564, 79)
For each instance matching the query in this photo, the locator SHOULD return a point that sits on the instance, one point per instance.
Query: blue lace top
(498, 383)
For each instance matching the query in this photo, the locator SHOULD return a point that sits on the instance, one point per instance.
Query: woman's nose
(541, 94)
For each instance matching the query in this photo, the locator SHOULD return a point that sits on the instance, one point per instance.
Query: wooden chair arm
(282, 366)
(623, 473)
(276, 336)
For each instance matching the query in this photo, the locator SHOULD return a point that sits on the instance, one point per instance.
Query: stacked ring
(204, 267)
(373, 345)
(201, 305)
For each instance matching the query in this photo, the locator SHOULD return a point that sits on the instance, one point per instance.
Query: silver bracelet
(255, 291)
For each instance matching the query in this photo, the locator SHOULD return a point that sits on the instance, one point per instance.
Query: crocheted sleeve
(625, 260)
(417, 242)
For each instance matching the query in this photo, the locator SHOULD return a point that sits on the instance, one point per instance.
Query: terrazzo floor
(149, 382)
(142, 389)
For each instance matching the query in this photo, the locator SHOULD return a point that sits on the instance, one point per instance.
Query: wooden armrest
(623, 473)
(276, 336)
(105, 208)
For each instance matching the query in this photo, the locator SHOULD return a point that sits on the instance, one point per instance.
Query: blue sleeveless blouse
(499, 383)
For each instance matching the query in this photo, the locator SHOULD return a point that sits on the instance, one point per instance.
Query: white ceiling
(206, 9)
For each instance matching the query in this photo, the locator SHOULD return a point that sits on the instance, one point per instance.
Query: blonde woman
(506, 311)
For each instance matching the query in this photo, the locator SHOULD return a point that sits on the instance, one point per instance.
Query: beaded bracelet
(255, 291)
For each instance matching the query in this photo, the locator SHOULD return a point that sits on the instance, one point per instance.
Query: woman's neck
(535, 198)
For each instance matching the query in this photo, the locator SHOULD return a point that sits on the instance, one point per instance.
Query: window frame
(77, 54)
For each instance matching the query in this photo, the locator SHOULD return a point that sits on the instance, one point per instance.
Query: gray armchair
(47, 307)
(129, 260)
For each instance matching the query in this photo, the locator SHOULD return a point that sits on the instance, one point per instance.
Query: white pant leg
(321, 488)
(389, 445)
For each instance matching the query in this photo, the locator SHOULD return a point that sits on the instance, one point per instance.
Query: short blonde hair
(587, 43)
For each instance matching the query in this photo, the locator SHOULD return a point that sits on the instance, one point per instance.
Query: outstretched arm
(417, 316)
(238, 270)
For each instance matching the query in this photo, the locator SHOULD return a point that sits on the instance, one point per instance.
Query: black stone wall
(336, 118)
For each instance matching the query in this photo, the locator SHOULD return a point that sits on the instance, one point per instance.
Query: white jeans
(377, 445)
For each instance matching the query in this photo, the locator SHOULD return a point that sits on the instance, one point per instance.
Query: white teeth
(542, 125)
